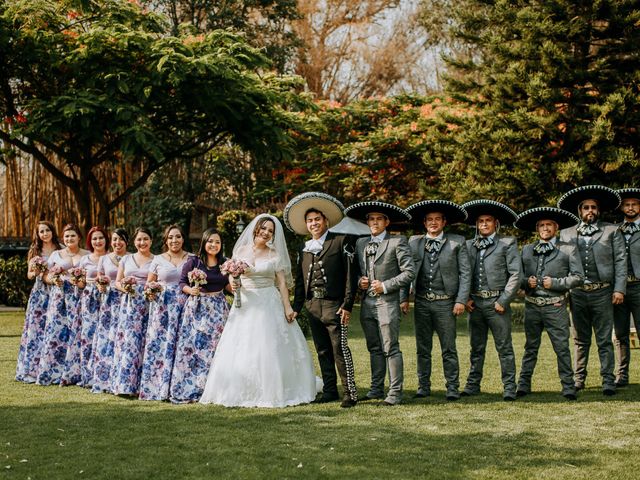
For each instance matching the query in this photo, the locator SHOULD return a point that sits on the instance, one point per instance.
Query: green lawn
(53, 432)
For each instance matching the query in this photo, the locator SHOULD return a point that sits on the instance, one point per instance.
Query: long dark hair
(202, 253)
(165, 236)
(36, 244)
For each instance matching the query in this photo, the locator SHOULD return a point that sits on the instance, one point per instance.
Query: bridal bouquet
(151, 291)
(38, 265)
(103, 282)
(56, 273)
(77, 274)
(235, 268)
(128, 285)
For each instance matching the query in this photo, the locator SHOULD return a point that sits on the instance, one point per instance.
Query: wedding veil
(243, 249)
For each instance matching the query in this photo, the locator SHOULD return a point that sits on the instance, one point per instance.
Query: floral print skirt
(33, 333)
(102, 350)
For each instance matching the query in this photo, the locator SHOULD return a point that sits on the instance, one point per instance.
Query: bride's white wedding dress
(261, 359)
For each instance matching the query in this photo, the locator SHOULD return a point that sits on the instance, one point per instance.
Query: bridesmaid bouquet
(151, 291)
(128, 285)
(39, 265)
(235, 268)
(103, 283)
(77, 274)
(56, 273)
(197, 277)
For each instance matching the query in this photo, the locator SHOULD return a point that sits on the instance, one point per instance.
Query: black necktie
(371, 248)
(482, 242)
(629, 228)
(432, 245)
(543, 248)
(587, 229)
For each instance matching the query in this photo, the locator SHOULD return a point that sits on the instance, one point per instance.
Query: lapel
(473, 253)
(422, 241)
(634, 238)
(596, 236)
(382, 247)
(326, 245)
(554, 253)
(491, 248)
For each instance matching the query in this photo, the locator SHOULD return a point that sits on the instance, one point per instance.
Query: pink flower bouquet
(38, 265)
(77, 275)
(151, 291)
(128, 285)
(55, 273)
(235, 268)
(197, 277)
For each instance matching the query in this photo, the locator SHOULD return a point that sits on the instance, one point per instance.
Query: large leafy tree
(552, 96)
(90, 85)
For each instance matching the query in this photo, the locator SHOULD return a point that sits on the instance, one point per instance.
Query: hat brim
(294, 212)
(528, 220)
(606, 197)
(350, 226)
(497, 210)
(395, 214)
(453, 212)
(631, 192)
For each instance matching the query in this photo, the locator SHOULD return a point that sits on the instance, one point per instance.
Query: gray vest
(430, 279)
(480, 275)
(588, 261)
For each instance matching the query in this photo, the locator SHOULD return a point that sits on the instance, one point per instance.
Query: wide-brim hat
(607, 198)
(631, 192)
(497, 210)
(529, 219)
(453, 212)
(294, 212)
(394, 213)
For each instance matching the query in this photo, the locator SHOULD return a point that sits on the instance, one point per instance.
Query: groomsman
(630, 207)
(385, 268)
(441, 287)
(325, 286)
(550, 269)
(602, 252)
(495, 279)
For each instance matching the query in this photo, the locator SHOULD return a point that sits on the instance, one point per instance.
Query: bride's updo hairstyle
(259, 225)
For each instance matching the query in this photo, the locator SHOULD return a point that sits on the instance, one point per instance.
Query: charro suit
(445, 273)
(380, 314)
(604, 262)
(563, 266)
(497, 273)
(334, 264)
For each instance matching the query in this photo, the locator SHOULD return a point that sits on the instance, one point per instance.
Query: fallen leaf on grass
(300, 465)
(24, 460)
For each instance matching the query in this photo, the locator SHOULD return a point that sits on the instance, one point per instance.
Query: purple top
(106, 266)
(91, 267)
(216, 281)
(167, 272)
(131, 269)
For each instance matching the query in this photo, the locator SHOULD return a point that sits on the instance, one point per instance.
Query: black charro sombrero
(360, 210)
(529, 219)
(498, 210)
(453, 212)
(631, 192)
(606, 197)
(295, 210)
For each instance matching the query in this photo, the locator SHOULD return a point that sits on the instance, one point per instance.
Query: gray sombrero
(497, 210)
(453, 212)
(529, 219)
(360, 210)
(631, 192)
(607, 198)
(295, 210)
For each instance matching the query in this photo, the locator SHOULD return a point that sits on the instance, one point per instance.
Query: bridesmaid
(45, 242)
(102, 349)
(205, 314)
(62, 310)
(98, 244)
(132, 317)
(164, 316)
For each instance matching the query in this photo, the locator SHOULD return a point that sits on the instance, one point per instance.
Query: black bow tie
(432, 245)
(629, 228)
(587, 229)
(371, 248)
(482, 242)
(543, 248)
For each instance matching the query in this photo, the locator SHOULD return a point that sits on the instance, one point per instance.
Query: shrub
(14, 284)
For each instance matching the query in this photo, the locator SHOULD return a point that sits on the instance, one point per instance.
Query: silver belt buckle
(430, 296)
(319, 292)
(539, 301)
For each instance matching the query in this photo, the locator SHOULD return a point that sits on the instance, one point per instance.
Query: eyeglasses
(589, 207)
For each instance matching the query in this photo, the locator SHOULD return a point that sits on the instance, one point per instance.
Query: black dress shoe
(373, 397)
(570, 396)
(621, 383)
(579, 386)
(451, 397)
(327, 398)
(387, 404)
(608, 392)
(421, 395)
(521, 393)
(348, 402)
(509, 398)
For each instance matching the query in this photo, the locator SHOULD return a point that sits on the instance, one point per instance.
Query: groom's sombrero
(529, 219)
(295, 210)
(497, 210)
(453, 212)
(395, 214)
(607, 198)
(631, 192)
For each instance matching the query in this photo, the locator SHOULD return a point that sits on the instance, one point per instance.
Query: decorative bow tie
(432, 245)
(371, 248)
(312, 246)
(543, 248)
(629, 228)
(587, 229)
(482, 242)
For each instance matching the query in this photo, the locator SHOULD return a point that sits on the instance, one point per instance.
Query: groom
(325, 286)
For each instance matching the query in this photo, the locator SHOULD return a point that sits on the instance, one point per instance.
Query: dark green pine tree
(551, 99)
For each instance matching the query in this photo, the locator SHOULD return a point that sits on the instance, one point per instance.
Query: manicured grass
(54, 432)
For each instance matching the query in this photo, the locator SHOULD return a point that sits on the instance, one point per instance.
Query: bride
(262, 359)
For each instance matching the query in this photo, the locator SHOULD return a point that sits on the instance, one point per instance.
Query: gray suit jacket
(454, 264)
(502, 265)
(563, 265)
(393, 265)
(634, 252)
(608, 251)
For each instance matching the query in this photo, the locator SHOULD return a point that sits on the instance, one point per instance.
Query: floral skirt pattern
(202, 324)
(102, 350)
(33, 333)
(89, 312)
(71, 373)
(128, 346)
(160, 345)
(62, 317)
